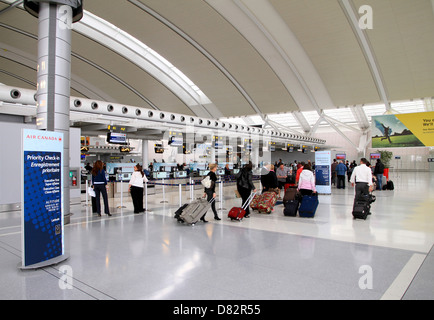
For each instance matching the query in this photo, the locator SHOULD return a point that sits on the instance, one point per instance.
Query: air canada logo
(43, 137)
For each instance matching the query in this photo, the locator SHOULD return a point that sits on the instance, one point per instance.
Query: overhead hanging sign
(323, 172)
(403, 130)
(42, 187)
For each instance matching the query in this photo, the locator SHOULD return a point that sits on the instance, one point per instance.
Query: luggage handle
(210, 202)
(248, 201)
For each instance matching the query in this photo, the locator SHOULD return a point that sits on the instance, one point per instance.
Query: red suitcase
(237, 213)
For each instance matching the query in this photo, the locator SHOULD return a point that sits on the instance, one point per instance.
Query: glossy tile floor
(268, 257)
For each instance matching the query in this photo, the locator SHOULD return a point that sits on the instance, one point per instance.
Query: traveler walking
(245, 185)
(210, 192)
(362, 178)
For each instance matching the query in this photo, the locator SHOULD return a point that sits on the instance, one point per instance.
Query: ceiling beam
(361, 35)
(11, 6)
(201, 49)
(302, 121)
(360, 116)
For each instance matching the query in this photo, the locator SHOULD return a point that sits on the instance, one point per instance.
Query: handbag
(206, 182)
(91, 192)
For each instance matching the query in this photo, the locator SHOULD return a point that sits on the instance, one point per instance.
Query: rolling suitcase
(238, 213)
(195, 210)
(179, 211)
(255, 202)
(291, 208)
(268, 200)
(289, 185)
(290, 194)
(361, 207)
(308, 206)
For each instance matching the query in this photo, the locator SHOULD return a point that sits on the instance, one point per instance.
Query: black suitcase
(361, 207)
(291, 208)
(290, 194)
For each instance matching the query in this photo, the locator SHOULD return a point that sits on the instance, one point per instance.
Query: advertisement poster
(323, 172)
(42, 219)
(403, 130)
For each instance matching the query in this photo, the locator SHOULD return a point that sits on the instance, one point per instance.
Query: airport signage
(42, 197)
(323, 172)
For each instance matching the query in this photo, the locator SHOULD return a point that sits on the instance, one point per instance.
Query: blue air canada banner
(323, 172)
(42, 219)
(403, 130)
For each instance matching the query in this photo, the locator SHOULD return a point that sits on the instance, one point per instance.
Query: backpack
(390, 185)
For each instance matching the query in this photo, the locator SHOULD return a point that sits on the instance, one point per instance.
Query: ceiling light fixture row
(25, 96)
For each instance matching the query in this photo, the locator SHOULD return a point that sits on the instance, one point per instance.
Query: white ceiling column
(302, 121)
(360, 115)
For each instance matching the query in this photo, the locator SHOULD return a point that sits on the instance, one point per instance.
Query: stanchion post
(221, 194)
(122, 191)
(87, 194)
(191, 189)
(146, 196)
(180, 195)
(164, 194)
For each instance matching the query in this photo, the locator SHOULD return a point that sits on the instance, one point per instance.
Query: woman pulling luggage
(210, 192)
(245, 185)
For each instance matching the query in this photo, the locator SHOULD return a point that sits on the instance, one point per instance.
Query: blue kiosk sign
(42, 209)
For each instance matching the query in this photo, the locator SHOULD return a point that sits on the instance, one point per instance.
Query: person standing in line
(99, 184)
(227, 172)
(341, 169)
(362, 178)
(245, 185)
(268, 178)
(136, 188)
(378, 172)
(350, 169)
(281, 174)
(306, 183)
(334, 165)
(299, 170)
(210, 192)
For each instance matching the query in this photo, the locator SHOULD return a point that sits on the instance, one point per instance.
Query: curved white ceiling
(237, 57)
(138, 53)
